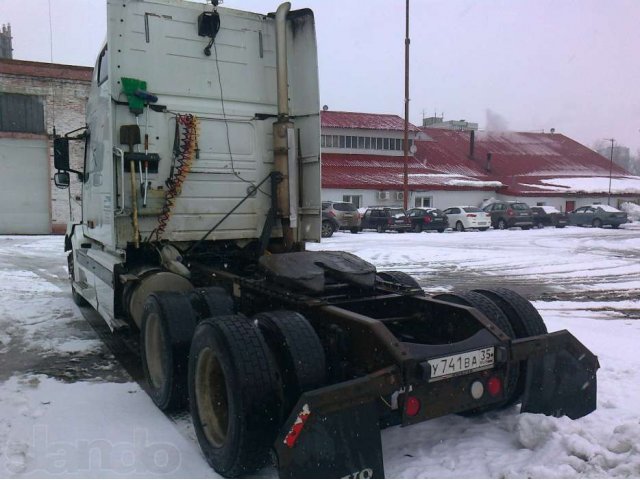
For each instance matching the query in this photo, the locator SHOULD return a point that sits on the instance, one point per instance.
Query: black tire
(354, 230)
(298, 354)
(525, 228)
(211, 302)
(459, 226)
(524, 319)
(401, 278)
(502, 225)
(380, 229)
(232, 395)
(78, 299)
(441, 230)
(417, 228)
(493, 312)
(327, 229)
(168, 323)
(483, 229)
(560, 226)
(597, 223)
(615, 225)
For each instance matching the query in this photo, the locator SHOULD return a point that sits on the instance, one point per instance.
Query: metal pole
(610, 169)
(406, 110)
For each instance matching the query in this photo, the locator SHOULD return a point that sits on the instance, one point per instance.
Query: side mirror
(61, 154)
(62, 180)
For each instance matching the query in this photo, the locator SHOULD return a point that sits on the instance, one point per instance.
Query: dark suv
(427, 219)
(510, 214)
(547, 215)
(382, 219)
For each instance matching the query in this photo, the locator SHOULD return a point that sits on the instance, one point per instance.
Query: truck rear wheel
(168, 322)
(297, 351)
(232, 395)
(211, 302)
(495, 314)
(523, 317)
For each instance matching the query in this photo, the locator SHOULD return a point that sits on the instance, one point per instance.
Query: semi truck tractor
(200, 188)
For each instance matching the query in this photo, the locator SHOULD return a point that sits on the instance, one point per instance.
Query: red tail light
(412, 406)
(427, 219)
(494, 386)
(331, 214)
(471, 215)
(510, 212)
(389, 221)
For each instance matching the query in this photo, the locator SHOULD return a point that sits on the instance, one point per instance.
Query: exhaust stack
(284, 150)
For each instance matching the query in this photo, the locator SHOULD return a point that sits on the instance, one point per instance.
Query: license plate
(461, 363)
(482, 223)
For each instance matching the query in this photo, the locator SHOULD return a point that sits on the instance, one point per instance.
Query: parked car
(427, 219)
(510, 214)
(462, 218)
(548, 216)
(329, 225)
(597, 216)
(345, 213)
(382, 219)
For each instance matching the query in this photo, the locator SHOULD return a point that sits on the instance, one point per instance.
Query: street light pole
(610, 169)
(406, 111)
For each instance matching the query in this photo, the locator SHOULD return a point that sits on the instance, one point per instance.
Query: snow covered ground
(68, 409)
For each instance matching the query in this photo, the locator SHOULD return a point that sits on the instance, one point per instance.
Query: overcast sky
(529, 65)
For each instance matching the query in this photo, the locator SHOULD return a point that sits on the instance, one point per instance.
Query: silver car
(346, 214)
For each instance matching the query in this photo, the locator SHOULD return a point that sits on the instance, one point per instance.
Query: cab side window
(103, 67)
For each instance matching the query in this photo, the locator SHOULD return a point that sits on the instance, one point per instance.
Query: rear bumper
(520, 222)
(334, 431)
(435, 226)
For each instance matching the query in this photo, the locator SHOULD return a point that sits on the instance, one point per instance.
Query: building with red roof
(363, 163)
(452, 167)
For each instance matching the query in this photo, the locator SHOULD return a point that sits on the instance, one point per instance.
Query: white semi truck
(200, 187)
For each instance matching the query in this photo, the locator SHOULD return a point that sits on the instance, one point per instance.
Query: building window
(354, 199)
(21, 113)
(423, 201)
(362, 143)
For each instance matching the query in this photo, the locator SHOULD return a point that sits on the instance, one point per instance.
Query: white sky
(536, 64)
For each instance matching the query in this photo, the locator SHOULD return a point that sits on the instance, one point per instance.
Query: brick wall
(64, 105)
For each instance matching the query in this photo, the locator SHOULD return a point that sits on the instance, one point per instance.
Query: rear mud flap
(338, 444)
(562, 379)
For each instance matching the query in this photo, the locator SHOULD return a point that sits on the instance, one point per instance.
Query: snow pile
(619, 185)
(54, 429)
(632, 210)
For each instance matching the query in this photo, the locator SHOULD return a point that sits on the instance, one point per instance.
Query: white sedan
(461, 218)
